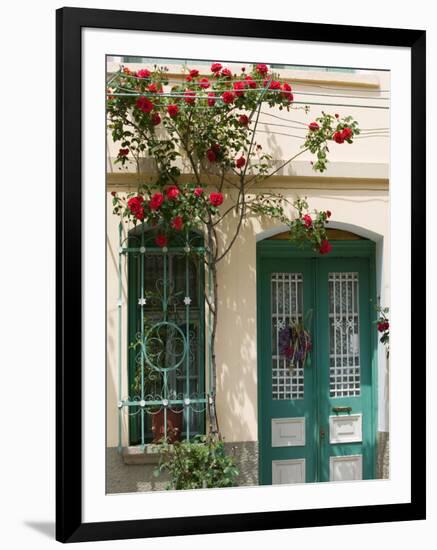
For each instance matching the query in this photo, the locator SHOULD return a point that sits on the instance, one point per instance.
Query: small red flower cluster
(190, 97)
(228, 97)
(156, 119)
(156, 201)
(172, 192)
(216, 199)
(307, 220)
(161, 240)
(177, 223)
(211, 99)
(325, 247)
(243, 120)
(382, 327)
(262, 69)
(216, 67)
(144, 73)
(135, 205)
(213, 152)
(144, 104)
(138, 207)
(250, 81)
(286, 91)
(173, 110)
(343, 135)
(240, 162)
(123, 152)
(239, 88)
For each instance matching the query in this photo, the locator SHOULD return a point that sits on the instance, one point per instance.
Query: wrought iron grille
(166, 396)
(344, 356)
(287, 305)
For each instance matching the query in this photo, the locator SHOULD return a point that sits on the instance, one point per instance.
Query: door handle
(342, 409)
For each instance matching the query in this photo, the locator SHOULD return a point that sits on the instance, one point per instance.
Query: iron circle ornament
(165, 348)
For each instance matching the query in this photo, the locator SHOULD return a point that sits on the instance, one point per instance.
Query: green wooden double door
(317, 422)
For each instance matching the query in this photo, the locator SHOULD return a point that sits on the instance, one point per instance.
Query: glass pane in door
(287, 304)
(344, 340)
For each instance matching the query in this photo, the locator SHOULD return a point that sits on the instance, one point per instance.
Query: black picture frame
(69, 525)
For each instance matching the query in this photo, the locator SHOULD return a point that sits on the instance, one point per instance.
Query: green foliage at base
(200, 464)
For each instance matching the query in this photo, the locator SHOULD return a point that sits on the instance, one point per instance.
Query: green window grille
(166, 337)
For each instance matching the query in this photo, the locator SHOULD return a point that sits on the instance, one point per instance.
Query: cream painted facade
(355, 188)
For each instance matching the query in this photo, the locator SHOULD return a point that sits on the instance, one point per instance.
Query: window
(166, 315)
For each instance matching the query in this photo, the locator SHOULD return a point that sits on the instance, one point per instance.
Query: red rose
(216, 67)
(204, 83)
(313, 126)
(172, 192)
(190, 96)
(250, 81)
(177, 223)
(337, 115)
(239, 88)
(153, 88)
(338, 137)
(156, 119)
(189, 78)
(243, 120)
(156, 201)
(144, 104)
(194, 73)
(262, 68)
(139, 214)
(347, 133)
(161, 240)
(240, 162)
(144, 73)
(325, 247)
(113, 193)
(226, 73)
(198, 192)
(123, 152)
(386, 325)
(211, 99)
(135, 205)
(286, 91)
(328, 213)
(274, 84)
(172, 110)
(307, 220)
(216, 199)
(212, 157)
(228, 97)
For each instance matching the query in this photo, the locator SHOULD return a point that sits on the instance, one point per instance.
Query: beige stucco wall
(358, 207)
(355, 189)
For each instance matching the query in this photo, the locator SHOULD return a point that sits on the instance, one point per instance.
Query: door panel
(344, 368)
(287, 423)
(317, 421)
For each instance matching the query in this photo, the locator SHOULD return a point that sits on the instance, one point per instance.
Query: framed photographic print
(240, 268)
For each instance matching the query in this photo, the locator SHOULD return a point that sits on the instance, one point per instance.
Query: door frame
(342, 249)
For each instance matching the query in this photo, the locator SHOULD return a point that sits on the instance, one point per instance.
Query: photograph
(247, 273)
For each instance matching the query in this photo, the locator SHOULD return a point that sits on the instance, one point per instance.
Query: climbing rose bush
(205, 125)
(209, 119)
